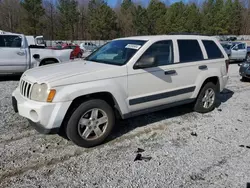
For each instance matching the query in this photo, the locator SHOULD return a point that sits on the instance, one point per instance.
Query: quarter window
(189, 50)
(213, 51)
(162, 51)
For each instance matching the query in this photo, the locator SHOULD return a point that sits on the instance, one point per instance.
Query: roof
(157, 37)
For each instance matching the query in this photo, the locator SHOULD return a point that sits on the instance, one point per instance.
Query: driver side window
(162, 51)
(241, 46)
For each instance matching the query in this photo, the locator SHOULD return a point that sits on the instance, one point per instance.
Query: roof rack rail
(187, 33)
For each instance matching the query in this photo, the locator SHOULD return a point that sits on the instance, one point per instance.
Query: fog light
(34, 115)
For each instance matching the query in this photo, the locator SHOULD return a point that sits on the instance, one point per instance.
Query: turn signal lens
(51, 95)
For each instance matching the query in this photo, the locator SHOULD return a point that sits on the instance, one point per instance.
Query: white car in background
(88, 46)
(237, 51)
(17, 55)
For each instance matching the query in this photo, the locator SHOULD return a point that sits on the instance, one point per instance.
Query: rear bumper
(223, 83)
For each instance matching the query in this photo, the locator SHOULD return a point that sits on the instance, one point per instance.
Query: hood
(57, 73)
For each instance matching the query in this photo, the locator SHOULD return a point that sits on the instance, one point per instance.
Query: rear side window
(189, 50)
(11, 41)
(213, 51)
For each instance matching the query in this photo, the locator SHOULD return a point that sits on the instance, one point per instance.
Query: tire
(244, 79)
(199, 103)
(86, 112)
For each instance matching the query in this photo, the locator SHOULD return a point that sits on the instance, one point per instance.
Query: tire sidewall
(199, 105)
(72, 125)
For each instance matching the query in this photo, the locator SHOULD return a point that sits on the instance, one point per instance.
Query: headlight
(41, 93)
(246, 65)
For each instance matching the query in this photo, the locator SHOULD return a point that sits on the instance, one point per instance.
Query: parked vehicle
(88, 46)
(245, 70)
(16, 55)
(36, 41)
(124, 78)
(76, 50)
(236, 50)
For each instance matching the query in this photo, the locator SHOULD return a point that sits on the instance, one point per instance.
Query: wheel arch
(214, 79)
(48, 59)
(106, 96)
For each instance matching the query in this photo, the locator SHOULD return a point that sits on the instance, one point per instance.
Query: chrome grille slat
(25, 88)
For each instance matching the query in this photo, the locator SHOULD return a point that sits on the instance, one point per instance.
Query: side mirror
(36, 56)
(236, 48)
(145, 62)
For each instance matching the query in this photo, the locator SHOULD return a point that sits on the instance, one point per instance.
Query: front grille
(25, 88)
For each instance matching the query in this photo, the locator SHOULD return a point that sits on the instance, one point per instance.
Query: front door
(13, 55)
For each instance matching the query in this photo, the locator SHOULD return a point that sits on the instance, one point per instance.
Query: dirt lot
(180, 158)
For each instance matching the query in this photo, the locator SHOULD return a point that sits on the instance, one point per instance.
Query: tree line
(72, 19)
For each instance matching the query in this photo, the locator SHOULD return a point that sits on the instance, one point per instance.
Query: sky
(113, 3)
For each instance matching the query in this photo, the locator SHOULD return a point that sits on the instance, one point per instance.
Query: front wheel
(206, 99)
(91, 123)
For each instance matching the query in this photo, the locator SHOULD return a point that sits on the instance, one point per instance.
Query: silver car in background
(237, 51)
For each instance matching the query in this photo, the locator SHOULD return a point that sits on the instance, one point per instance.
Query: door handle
(202, 67)
(170, 72)
(21, 53)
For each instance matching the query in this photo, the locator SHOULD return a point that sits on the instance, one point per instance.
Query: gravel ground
(187, 149)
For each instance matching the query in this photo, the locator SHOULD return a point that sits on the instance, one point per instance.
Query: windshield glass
(117, 52)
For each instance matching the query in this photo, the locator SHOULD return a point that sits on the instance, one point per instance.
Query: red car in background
(76, 50)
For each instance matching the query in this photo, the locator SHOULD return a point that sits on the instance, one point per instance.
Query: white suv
(124, 78)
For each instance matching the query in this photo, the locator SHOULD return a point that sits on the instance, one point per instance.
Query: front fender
(117, 87)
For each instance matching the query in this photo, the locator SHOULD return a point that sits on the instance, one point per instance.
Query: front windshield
(117, 52)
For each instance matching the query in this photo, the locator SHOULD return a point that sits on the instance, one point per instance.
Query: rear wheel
(91, 123)
(206, 99)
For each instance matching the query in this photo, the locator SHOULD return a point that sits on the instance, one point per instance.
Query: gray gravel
(213, 158)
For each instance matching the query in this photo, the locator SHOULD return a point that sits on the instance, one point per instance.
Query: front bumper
(46, 118)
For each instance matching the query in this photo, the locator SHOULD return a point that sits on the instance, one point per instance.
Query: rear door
(13, 54)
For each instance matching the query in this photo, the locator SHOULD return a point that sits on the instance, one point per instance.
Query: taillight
(227, 64)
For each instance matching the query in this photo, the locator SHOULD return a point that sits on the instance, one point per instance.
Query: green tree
(102, 20)
(219, 18)
(156, 11)
(236, 17)
(69, 17)
(126, 18)
(193, 19)
(207, 17)
(141, 21)
(176, 18)
(34, 12)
